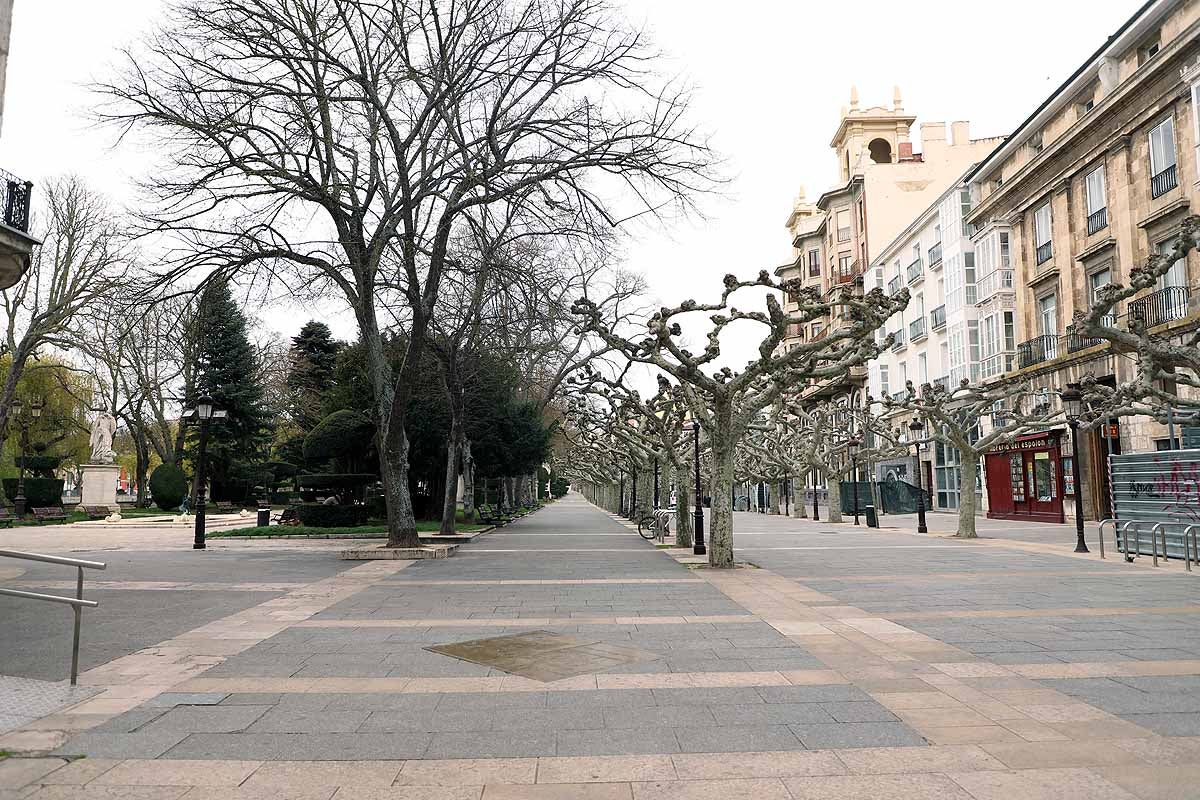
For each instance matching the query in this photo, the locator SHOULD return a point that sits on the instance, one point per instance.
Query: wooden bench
(490, 515)
(224, 506)
(7, 518)
(95, 512)
(49, 515)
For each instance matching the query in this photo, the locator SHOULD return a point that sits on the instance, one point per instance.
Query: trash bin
(872, 517)
(264, 515)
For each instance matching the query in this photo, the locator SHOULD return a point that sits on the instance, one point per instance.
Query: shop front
(1025, 479)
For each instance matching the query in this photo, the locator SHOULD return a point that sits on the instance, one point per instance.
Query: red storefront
(1025, 479)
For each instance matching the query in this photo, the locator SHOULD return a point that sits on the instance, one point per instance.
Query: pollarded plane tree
(727, 402)
(334, 147)
(596, 457)
(664, 429)
(975, 419)
(823, 433)
(1166, 361)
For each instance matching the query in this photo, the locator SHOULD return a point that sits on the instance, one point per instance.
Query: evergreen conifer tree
(311, 373)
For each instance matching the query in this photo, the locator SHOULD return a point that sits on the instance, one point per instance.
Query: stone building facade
(1092, 183)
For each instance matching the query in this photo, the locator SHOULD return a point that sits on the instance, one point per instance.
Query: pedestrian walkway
(842, 664)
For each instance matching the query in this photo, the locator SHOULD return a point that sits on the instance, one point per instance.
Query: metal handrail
(77, 603)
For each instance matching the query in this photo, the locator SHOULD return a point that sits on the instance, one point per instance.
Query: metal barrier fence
(77, 603)
(1156, 503)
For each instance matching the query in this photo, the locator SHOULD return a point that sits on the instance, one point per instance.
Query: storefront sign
(1039, 443)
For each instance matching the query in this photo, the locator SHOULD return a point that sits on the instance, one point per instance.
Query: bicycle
(655, 525)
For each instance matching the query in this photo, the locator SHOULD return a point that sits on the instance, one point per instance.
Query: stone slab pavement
(844, 663)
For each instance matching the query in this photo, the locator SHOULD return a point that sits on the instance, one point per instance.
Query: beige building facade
(1096, 180)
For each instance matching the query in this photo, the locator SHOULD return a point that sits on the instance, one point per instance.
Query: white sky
(771, 77)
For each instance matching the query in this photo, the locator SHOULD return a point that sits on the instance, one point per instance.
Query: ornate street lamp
(1072, 400)
(24, 418)
(852, 446)
(203, 413)
(916, 427)
(698, 547)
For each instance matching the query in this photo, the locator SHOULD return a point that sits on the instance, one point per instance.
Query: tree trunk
(722, 445)
(142, 469)
(645, 503)
(16, 368)
(683, 513)
(966, 502)
(777, 491)
(450, 495)
(468, 473)
(834, 484)
(799, 507)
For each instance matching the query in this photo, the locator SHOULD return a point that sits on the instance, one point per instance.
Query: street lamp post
(852, 446)
(656, 492)
(633, 494)
(815, 517)
(787, 495)
(1072, 400)
(916, 427)
(23, 420)
(698, 547)
(204, 413)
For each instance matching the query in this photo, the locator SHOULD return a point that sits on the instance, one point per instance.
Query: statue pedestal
(99, 485)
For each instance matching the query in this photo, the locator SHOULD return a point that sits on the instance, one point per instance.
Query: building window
(1010, 332)
(1177, 274)
(1005, 253)
(843, 226)
(1149, 50)
(1163, 176)
(964, 203)
(1048, 315)
(883, 381)
(1096, 281)
(814, 263)
(1035, 143)
(816, 330)
(1097, 204)
(845, 265)
(1042, 233)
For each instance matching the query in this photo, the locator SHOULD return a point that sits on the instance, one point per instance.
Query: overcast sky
(771, 78)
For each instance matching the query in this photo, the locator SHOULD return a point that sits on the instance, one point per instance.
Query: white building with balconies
(938, 338)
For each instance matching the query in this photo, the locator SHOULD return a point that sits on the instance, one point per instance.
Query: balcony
(935, 256)
(1077, 341)
(1097, 221)
(848, 273)
(916, 329)
(1045, 252)
(1037, 350)
(1164, 181)
(15, 242)
(895, 285)
(916, 271)
(943, 382)
(996, 281)
(900, 396)
(843, 235)
(1162, 306)
(937, 318)
(900, 342)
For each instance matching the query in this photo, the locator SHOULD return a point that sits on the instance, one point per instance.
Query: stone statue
(103, 430)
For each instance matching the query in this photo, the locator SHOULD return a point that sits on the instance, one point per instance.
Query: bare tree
(340, 143)
(974, 419)
(78, 263)
(728, 402)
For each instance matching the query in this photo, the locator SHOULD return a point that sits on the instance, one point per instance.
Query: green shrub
(280, 498)
(43, 466)
(168, 485)
(39, 492)
(319, 515)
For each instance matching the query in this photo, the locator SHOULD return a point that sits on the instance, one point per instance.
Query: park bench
(224, 506)
(490, 515)
(95, 512)
(49, 515)
(6, 517)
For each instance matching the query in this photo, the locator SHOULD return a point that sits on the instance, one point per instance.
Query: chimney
(906, 153)
(932, 132)
(961, 131)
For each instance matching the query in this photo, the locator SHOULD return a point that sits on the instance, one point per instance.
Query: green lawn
(429, 526)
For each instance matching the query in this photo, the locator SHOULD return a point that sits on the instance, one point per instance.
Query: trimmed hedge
(168, 485)
(39, 492)
(319, 515)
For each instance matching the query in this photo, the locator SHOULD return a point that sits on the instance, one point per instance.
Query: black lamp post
(656, 492)
(815, 517)
(23, 420)
(1072, 400)
(698, 547)
(633, 493)
(787, 495)
(916, 427)
(852, 447)
(203, 413)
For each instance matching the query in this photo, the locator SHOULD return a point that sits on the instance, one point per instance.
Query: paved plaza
(839, 662)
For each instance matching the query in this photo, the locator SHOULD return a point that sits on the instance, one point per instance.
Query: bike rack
(1154, 531)
(1104, 522)
(77, 603)
(1190, 552)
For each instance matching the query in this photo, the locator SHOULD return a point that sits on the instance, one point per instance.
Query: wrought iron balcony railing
(935, 255)
(1164, 181)
(943, 382)
(901, 341)
(895, 285)
(1045, 252)
(17, 194)
(916, 271)
(1097, 221)
(1162, 306)
(937, 318)
(916, 329)
(848, 273)
(1077, 341)
(1037, 350)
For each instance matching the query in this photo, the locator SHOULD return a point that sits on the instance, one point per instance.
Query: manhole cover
(543, 656)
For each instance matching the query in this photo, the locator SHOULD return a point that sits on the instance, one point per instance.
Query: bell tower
(871, 135)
